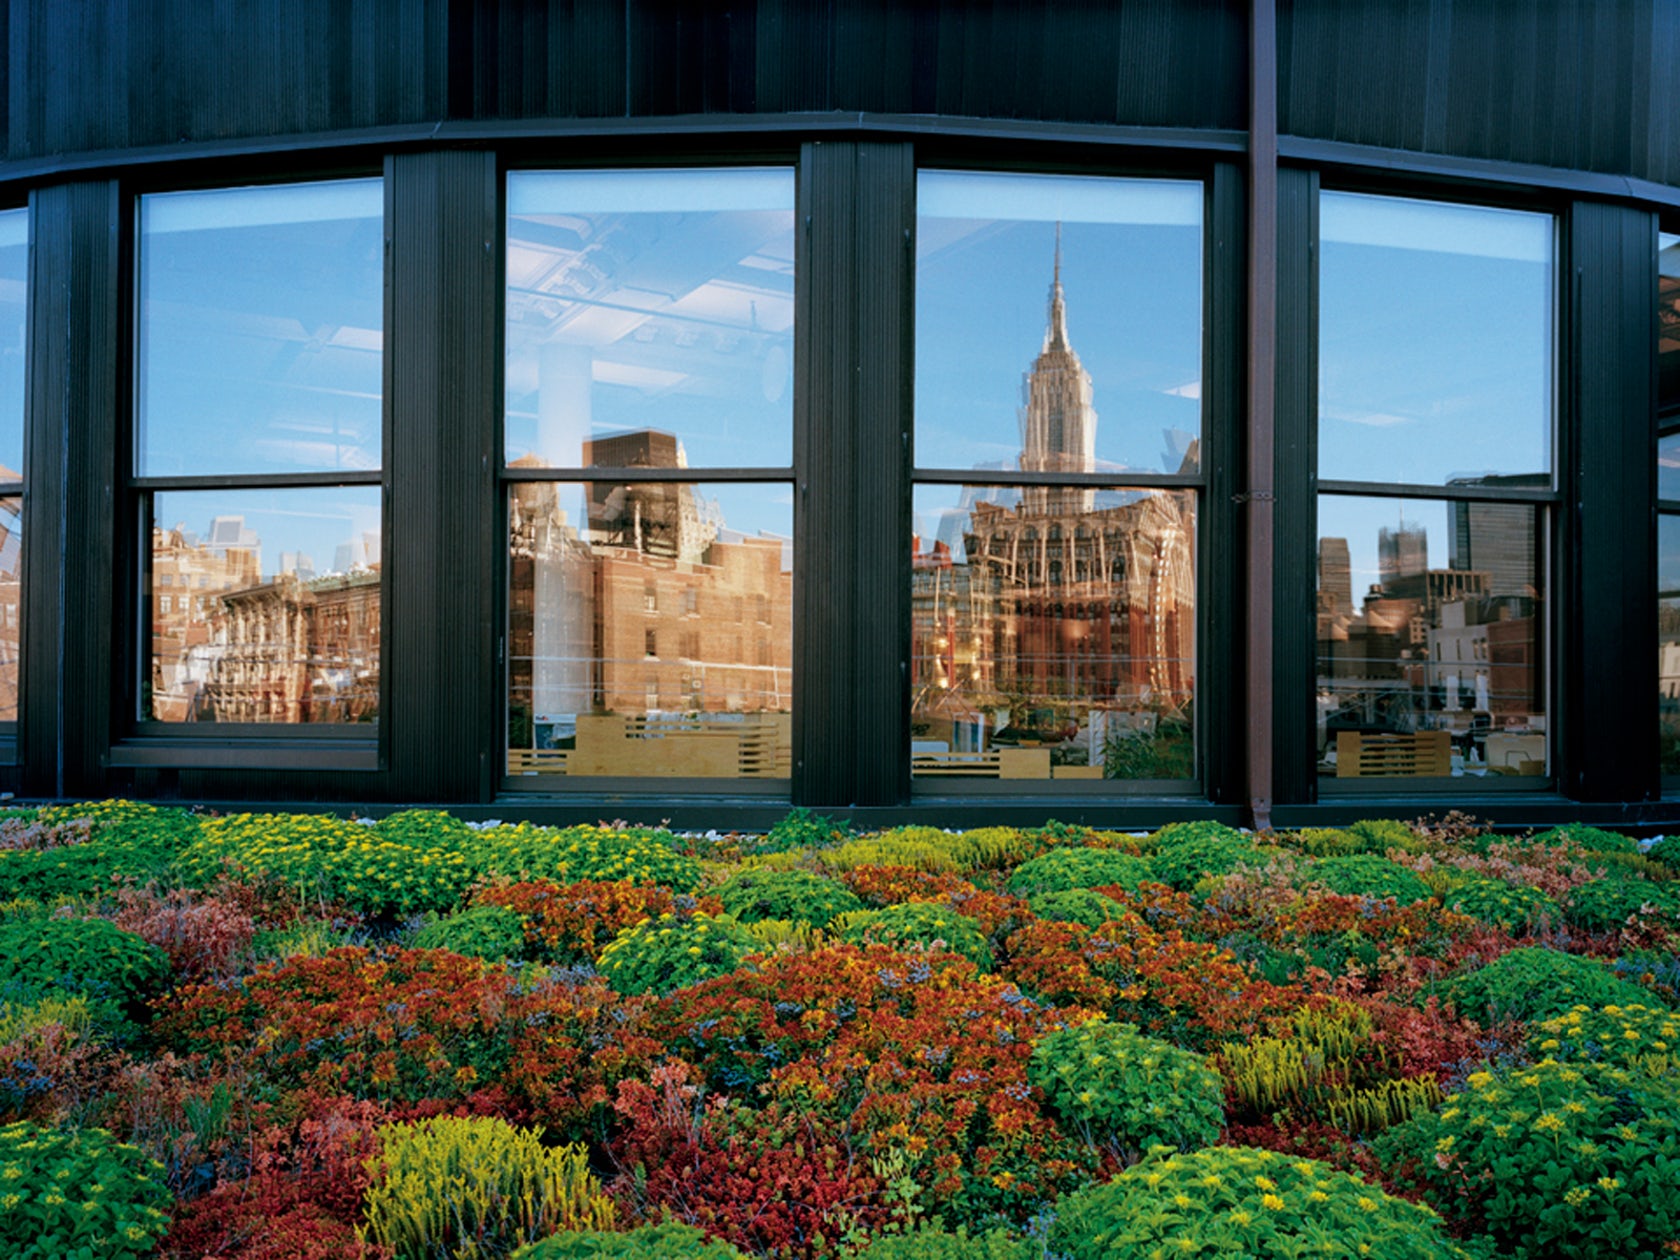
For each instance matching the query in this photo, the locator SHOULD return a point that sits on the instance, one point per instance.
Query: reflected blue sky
(334, 529)
(261, 330)
(1435, 340)
(651, 300)
(14, 284)
(1131, 272)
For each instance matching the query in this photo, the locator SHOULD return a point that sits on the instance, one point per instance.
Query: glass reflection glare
(638, 297)
(1125, 258)
(264, 606)
(1429, 669)
(14, 289)
(650, 628)
(1435, 341)
(1053, 633)
(261, 330)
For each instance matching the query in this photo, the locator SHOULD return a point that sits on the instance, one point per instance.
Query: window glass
(1668, 638)
(14, 304)
(1435, 341)
(650, 297)
(1096, 282)
(272, 610)
(1431, 621)
(1053, 633)
(11, 568)
(260, 330)
(650, 630)
(1668, 365)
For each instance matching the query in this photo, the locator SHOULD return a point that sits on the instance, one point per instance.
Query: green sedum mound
(918, 924)
(1513, 907)
(650, 1242)
(1061, 870)
(662, 955)
(1180, 863)
(1236, 1201)
(1556, 1161)
(1536, 983)
(794, 896)
(1604, 905)
(493, 933)
(1242, 1202)
(1363, 875)
(930, 1243)
(1115, 1087)
(73, 1195)
(91, 957)
(1076, 905)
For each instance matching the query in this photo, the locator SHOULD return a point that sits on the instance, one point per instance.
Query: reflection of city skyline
(233, 643)
(1053, 624)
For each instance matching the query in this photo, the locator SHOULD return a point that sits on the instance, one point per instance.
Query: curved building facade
(1263, 411)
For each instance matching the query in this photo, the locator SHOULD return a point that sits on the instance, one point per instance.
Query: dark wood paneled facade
(1567, 107)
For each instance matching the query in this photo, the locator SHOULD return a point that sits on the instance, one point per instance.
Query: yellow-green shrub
(1643, 1039)
(458, 1186)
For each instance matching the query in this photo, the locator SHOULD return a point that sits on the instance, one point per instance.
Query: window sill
(248, 754)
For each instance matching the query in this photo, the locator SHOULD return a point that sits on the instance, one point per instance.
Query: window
(1435, 466)
(1668, 500)
(258, 424)
(14, 323)
(1057, 437)
(649, 432)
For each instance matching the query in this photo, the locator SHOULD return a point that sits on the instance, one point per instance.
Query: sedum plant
(931, 1243)
(475, 1186)
(796, 896)
(1536, 983)
(650, 1242)
(917, 924)
(662, 955)
(1514, 907)
(1063, 869)
(78, 1196)
(1561, 1160)
(1643, 1039)
(1118, 1088)
(1231, 1201)
(490, 932)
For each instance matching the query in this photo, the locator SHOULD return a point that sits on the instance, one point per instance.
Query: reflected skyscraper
(1058, 422)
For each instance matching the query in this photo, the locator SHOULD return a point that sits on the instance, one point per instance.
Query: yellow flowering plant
(674, 951)
(84, 1193)
(1229, 1201)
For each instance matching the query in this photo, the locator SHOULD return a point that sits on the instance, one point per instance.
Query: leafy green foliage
(1640, 1038)
(1365, 875)
(650, 1242)
(930, 1243)
(796, 896)
(1076, 905)
(1572, 1161)
(1382, 834)
(801, 829)
(88, 956)
(1188, 856)
(673, 952)
(1534, 983)
(1116, 1087)
(490, 932)
(1514, 907)
(918, 923)
(1168, 752)
(476, 1186)
(1231, 1201)
(641, 855)
(77, 1196)
(1591, 839)
(1606, 904)
(1063, 869)
(81, 851)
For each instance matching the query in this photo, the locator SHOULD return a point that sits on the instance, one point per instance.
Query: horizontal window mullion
(260, 481)
(995, 477)
(1668, 505)
(648, 474)
(1398, 490)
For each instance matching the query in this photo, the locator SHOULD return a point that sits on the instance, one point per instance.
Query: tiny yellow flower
(1576, 1196)
(1271, 1202)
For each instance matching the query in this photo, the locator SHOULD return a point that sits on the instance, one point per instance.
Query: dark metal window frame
(1548, 548)
(514, 787)
(143, 743)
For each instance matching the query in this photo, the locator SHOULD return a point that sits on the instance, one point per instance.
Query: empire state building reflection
(1054, 627)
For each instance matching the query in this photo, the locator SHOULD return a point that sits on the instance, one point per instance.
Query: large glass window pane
(1431, 632)
(650, 297)
(650, 630)
(1668, 365)
(1053, 633)
(11, 567)
(1091, 286)
(260, 330)
(14, 303)
(264, 606)
(1668, 639)
(1435, 342)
